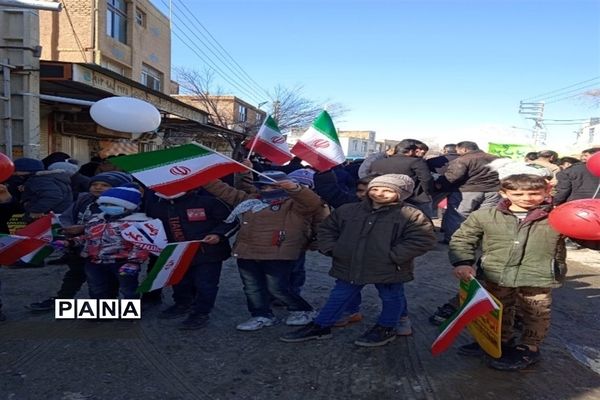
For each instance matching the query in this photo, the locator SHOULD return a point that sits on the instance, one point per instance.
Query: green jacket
(514, 253)
(375, 246)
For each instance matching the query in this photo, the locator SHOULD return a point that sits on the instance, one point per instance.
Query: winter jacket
(326, 186)
(47, 191)
(470, 173)
(192, 217)
(102, 241)
(365, 167)
(79, 184)
(279, 232)
(414, 167)
(439, 164)
(515, 253)
(574, 183)
(375, 245)
(81, 211)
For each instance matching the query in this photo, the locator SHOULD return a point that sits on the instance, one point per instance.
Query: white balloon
(125, 114)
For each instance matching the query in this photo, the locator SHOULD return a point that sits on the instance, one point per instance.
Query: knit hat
(28, 165)
(303, 176)
(275, 175)
(70, 169)
(401, 184)
(127, 197)
(113, 178)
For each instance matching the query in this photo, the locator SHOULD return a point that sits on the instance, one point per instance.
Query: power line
(219, 48)
(561, 89)
(241, 80)
(572, 91)
(79, 44)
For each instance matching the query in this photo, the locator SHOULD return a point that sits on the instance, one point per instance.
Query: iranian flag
(171, 265)
(177, 169)
(320, 146)
(42, 229)
(477, 304)
(14, 247)
(270, 143)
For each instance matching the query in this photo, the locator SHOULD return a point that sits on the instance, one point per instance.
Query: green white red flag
(177, 169)
(14, 247)
(319, 145)
(43, 229)
(477, 303)
(171, 265)
(147, 235)
(270, 143)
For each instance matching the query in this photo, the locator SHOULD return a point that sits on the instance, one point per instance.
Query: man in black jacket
(576, 182)
(191, 216)
(406, 162)
(438, 166)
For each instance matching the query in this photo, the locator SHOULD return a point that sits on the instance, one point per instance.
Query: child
(371, 242)
(192, 216)
(73, 221)
(274, 230)
(110, 258)
(523, 259)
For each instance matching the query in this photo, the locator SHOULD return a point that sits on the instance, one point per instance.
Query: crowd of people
(373, 217)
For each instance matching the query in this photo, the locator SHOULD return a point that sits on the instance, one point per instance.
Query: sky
(441, 71)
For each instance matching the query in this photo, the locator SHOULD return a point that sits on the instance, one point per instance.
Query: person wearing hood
(274, 230)
(110, 258)
(73, 221)
(192, 216)
(371, 242)
(79, 183)
(42, 191)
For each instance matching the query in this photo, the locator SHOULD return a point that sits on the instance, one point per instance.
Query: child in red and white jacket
(111, 258)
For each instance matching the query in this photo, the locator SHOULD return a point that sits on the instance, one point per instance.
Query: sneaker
(42, 306)
(442, 314)
(348, 319)
(404, 327)
(311, 331)
(376, 336)
(299, 318)
(194, 321)
(174, 311)
(256, 323)
(517, 358)
(471, 350)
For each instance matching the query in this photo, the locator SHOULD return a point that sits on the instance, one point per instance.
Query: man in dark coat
(576, 182)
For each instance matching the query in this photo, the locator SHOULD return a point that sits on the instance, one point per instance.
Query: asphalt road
(41, 358)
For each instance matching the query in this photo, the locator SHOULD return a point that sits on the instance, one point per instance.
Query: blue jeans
(264, 277)
(102, 279)
(461, 205)
(199, 287)
(298, 276)
(393, 303)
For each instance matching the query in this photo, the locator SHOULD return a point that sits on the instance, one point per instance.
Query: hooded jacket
(46, 191)
(375, 245)
(471, 173)
(515, 253)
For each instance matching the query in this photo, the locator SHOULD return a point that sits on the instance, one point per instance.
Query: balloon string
(597, 190)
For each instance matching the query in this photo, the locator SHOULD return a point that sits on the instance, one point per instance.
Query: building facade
(357, 144)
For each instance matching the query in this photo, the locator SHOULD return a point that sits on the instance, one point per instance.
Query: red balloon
(593, 164)
(578, 219)
(7, 168)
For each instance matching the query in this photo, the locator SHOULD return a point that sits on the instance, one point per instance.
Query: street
(42, 358)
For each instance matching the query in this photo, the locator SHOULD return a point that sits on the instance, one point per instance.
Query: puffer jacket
(470, 173)
(515, 253)
(279, 232)
(47, 191)
(575, 183)
(375, 245)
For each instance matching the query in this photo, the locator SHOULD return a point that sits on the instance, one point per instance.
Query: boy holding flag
(523, 259)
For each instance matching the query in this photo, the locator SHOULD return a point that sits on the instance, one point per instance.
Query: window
(140, 17)
(152, 77)
(364, 147)
(116, 20)
(355, 145)
(242, 114)
(112, 66)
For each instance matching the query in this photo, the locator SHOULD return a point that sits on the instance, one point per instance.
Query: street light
(262, 104)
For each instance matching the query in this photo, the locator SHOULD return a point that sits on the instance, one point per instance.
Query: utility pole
(536, 114)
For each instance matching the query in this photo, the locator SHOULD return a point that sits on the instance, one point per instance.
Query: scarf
(268, 199)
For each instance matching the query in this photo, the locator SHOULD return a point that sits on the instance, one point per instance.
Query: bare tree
(292, 110)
